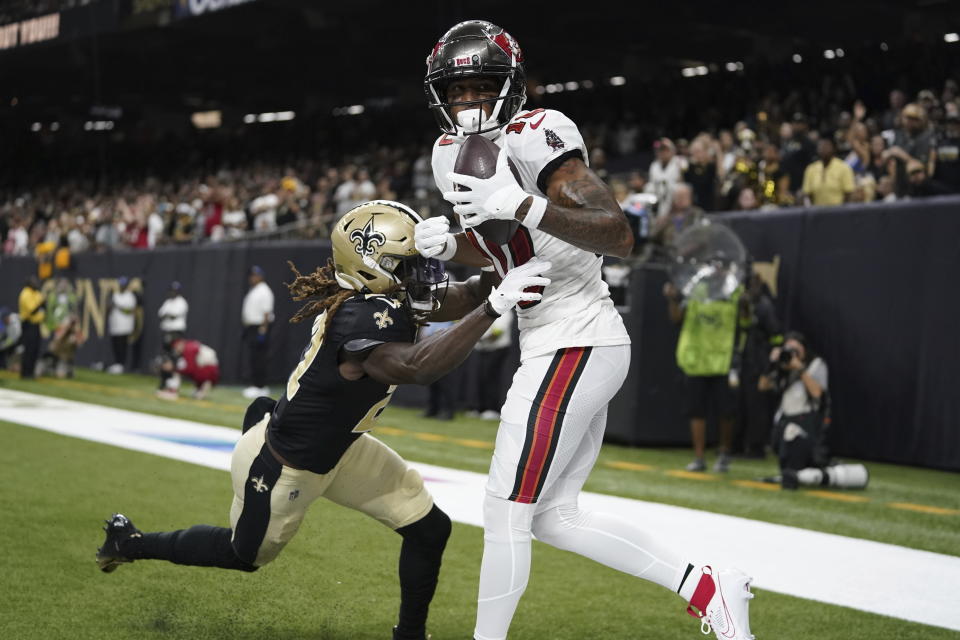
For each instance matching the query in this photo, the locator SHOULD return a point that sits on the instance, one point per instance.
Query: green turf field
(337, 579)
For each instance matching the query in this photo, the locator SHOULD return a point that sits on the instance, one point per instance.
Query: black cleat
(119, 528)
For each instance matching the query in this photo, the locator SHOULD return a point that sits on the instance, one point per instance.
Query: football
(478, 158)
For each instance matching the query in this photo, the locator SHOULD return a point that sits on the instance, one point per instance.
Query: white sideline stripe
(871, 576)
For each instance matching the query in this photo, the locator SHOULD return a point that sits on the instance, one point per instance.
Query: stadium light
(839, 53)
(797, 58)
(355, 110)
(285, 115)
(250, 118)
(884, 46)
(734, 66)
(54, 126)
(540, 90)
(951, 37)
(552, 88)
(571, 86)
(267, 117)
(587, 84)
(618, 81)
(206, 119)
(829, 54)
(35, 127)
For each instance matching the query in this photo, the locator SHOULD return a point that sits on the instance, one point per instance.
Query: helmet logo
(366, 240)
(509, 46)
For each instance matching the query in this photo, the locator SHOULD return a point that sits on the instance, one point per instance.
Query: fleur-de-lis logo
(383, 319)
(366, 240)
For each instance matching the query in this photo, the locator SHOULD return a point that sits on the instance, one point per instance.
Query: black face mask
(424, 281)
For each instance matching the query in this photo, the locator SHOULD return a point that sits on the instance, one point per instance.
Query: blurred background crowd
(731, 140)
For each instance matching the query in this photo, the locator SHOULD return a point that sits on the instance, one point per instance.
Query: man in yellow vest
(705, 353)
(31, 317)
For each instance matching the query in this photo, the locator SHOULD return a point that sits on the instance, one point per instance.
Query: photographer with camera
(803, 418)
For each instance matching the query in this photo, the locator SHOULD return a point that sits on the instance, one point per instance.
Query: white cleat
(722, 602)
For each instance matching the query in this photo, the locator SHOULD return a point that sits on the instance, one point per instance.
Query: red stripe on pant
(547, 423)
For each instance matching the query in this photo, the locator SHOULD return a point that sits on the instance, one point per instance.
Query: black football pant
(257, 347)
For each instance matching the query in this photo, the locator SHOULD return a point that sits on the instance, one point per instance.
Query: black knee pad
(255, 411)
(431, 531)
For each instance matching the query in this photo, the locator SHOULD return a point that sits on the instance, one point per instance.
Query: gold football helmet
(373, 252)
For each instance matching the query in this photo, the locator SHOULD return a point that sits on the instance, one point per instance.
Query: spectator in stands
(10, 334)
(191, 359)
(122, 322)
(829, 180)
(683, 214)
(920, 185)
(701, 173)
(879, 165)
(32, 312)
(912, 141)
(257, 318)
(948, 155)
(665, 172)
(797, 150)
(747, 199)
(890, 117)
(173, 315)
(773, 181)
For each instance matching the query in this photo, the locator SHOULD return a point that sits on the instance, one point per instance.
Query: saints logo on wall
(366, 240)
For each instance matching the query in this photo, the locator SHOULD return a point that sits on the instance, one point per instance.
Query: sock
(199, 546)
(420, 557)
(505, 567)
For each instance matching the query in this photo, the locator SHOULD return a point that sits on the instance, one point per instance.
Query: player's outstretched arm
(463, 297)
(581, 210)
(426, 361)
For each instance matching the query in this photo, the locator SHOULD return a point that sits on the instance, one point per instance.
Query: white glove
(511, 289)
(433, 239)
(494, 198)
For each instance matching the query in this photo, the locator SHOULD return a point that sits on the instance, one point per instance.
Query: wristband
(489, 268)
(449, 248)
(535, 213)
(488, 309)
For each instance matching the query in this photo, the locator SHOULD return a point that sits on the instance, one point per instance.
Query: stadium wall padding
(872, 286)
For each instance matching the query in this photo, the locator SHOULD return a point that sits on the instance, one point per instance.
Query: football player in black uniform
(313, 443)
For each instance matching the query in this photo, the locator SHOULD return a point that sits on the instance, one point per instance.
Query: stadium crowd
(909, 147)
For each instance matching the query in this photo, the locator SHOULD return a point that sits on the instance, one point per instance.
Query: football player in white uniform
(574, 348)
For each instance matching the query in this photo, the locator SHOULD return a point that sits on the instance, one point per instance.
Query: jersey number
(369, 421)
(309, 353)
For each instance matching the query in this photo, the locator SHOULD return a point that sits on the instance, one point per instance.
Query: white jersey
(576, 310)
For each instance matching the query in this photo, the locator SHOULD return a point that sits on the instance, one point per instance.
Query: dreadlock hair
(322, 286)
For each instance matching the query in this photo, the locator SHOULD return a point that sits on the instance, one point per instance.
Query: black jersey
(321, 413)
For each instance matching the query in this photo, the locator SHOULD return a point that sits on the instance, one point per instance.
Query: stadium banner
(193, 8)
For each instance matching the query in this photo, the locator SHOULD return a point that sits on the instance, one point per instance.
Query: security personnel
(31, 317)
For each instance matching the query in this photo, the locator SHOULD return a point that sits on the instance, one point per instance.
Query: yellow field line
(753, 484)
(840, 497)
(922, 508)
(629, 466)
(691, 475)
(476, 444)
